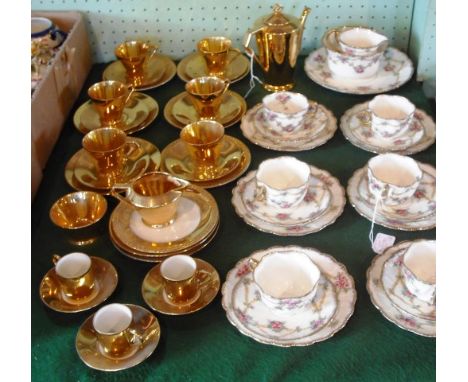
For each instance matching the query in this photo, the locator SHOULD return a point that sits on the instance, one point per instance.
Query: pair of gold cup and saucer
(214, 57)
(77, 282)
(205, 156)
(108, 156)
(160, 216)
(205, 97)
(140, 65)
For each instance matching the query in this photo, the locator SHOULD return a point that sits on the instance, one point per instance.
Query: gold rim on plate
(158, 71)
(144, 323)
(152, 290)
(194, 66)
(137, 114)
(106, 279)
(234, 160)
(148, 150)
(231, 111)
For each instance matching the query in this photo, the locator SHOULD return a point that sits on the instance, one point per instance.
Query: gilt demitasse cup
(109, 99)
(134, 55)
(76, 277)
(115, 337)
(284, 112)
(287, 281)
(360, 41)
(206, 94)
(390, 115)
(181, 279)
(109, 147)
(419, 270)
(282, 182)
(215, 51)
(393, 178)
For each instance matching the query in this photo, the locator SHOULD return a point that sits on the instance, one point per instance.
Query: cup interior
(214, 45)
(420, 259)
(395, 169)
(104, 139)
(286, 275)
(288, 103)
(155, 184)
(40, 24)
(202, 133)
(178, 268)
(361, 38)
(112, 319)
(73, 265)
(132, 50)
(203, 86)
(107, 90)
(391, 107)
(78, 209)
(283, 173)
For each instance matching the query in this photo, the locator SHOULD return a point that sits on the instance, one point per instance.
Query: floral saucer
(81, 172)
(319, 126)
(179, 110)
(394, 285)
(234, 159)
(159, 70)
(197, 215)
(417, 138)
(324, 203)
(383, 303)
(144, 323)
(331, 308)
(153, 293)
(194, 66)
(418, 213)
(138, 114)
(395, 70)
(106, 281)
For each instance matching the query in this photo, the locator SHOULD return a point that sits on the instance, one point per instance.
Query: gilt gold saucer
(179, 110)
(194, 66)
(140, 111)
(233, 161)
(159, 70)
(106, 280)
(153, 293)
(81, 172)
(144, 324)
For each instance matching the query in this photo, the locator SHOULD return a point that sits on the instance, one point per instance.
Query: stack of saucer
(401, 284)
(190, 214)
(288, 121)
(288, 197)
(356, 60)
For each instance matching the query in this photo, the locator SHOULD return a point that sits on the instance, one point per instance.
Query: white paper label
(382, 242)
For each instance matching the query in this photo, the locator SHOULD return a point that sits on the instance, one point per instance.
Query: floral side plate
(300, 223)
(383, 303)
(418, 137)
(331, 308)
(395, 70)
(319, 126)
(418, 213)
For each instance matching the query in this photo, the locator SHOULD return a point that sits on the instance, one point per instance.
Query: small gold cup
(76, 277)
(134, 55)
(110, 148)
(115, 336)
(180, 275)
(155, 196)
(109, 99)
(215, 51)
(80, 215)
(206, 95)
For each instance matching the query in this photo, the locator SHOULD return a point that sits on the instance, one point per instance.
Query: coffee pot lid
(278, 22)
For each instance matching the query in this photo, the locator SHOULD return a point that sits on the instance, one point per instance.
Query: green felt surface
(205, 346)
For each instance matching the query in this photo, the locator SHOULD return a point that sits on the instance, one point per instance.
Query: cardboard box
(56, 93)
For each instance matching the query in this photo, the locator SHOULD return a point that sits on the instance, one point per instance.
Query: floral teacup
(393, 178)
(282, 182)
(287, 282)
(361, 41)
(419, 270)
(285, 111)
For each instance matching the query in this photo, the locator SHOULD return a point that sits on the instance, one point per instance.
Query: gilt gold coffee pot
(279, 38)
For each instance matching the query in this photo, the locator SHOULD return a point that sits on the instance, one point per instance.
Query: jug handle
(248, 49)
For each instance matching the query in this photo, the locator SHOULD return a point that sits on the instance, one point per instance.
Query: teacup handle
(252, 263)
(131, 147)
(367, 117)
(238, 53)
(131, 89)
(335, 33)
(203, 277)
(55, 259)
(226, 85)
(260, 193)
(154, 50)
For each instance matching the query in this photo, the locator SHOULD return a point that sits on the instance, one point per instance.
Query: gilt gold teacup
(215, 51)
(134, 55)
(206, 94)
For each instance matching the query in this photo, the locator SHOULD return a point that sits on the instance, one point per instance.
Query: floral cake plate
(381, 300)
(395, 70)
(329, 312)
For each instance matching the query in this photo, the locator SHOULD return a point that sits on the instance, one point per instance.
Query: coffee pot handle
(248, 49)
